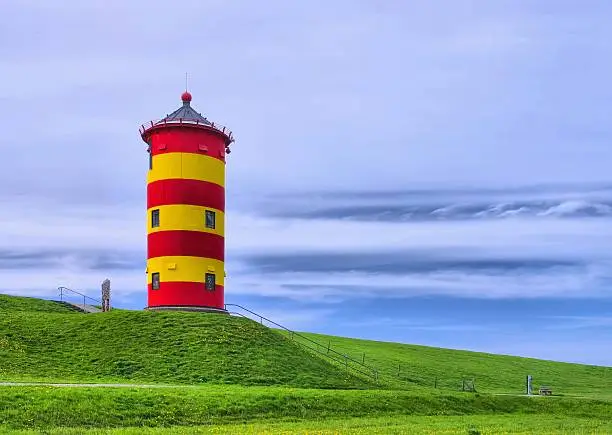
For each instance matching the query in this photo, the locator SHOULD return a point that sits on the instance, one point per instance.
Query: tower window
(155, 280)
(150, 151)
(209, 281)
(155, 218)
(210, 219)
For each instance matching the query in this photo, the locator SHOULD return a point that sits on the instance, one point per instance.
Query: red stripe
(188, 140)
(184, 191)
(185, 243)
(186, 294)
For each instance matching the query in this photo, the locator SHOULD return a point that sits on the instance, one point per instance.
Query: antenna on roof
(186, 83)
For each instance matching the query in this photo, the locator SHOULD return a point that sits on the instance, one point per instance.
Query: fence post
(363, 359)
(399, 367)
(328, 345)
(346, 362)
(435, 382)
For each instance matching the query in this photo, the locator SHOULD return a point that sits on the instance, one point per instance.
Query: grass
(397, 424)
(19, 304)
(406, 365)
(51, 342)
(50, 407)
(236, 376)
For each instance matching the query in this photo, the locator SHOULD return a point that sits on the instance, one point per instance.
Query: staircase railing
(63, 291)
(324, 350)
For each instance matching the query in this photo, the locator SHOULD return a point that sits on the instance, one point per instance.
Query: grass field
(51, 407)
(394, 425)
(429, 366)
(233, 375)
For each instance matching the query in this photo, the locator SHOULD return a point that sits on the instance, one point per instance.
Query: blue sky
(424, 172)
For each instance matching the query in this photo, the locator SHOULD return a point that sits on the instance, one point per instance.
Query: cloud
(445, 204)
(404, 263)
(72, 244)
(355, 128)
(399, 92)
(580, 322)
(415, 325)
(336, 287)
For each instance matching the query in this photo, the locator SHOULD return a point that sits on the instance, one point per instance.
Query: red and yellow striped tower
(185, 210)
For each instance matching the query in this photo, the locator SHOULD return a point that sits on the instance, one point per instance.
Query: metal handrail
(180, 121)
(63, 290)
(344, 362)
(371, 372)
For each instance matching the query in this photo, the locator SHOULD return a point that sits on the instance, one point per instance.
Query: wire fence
(349, 363)
(383, 373)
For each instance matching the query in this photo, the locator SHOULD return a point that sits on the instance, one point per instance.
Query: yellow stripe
(186, 217)
(185, 269)
(187, 165)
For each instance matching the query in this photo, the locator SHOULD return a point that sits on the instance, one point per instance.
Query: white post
(529, 385)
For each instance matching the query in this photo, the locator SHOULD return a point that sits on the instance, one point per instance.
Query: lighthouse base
(187, 308)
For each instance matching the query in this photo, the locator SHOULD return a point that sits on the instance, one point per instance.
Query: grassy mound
(429, 366)
(52, 342)
(20, 304)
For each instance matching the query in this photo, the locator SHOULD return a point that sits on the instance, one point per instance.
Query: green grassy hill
(20, 304)
(407, 365)
(44, 340)
(277, 385)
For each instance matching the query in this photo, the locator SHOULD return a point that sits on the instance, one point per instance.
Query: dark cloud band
(403, 263)
(82, 259)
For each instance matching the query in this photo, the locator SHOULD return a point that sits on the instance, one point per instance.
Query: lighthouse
(186, 210)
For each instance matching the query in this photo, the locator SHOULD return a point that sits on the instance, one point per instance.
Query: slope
(405, 365)
(43, 340)
(20, 304)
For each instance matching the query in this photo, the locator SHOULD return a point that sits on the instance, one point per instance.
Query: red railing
(180, 121)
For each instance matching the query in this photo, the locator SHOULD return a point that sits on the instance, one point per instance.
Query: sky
(429, 172)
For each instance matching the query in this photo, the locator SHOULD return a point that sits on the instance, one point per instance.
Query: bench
(545, 391)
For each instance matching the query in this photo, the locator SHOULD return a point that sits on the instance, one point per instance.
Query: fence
(220, 128)
(394, 377)
(346, 361)
(66, 292)
(387, 373)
